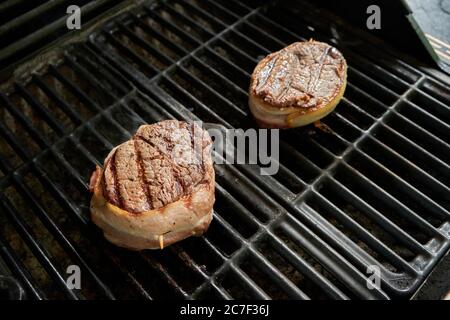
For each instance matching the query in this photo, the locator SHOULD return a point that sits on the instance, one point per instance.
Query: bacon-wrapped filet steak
(156, 188)
(297, 85)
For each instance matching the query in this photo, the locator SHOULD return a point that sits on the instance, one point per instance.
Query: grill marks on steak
(304, 74)
(159, 165)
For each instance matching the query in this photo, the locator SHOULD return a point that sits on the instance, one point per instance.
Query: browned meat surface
(303, 77)
(165, 169)
(304, 74)
(155, 167)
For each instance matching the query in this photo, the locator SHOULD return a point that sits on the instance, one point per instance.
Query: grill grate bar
(257, 292)
(56, 154)
(37, 249)
(199, 12)
(247, 217)
(30, 15)
(31, 129)
(300, 264)
(230, 28)
(75, 117)
(402, 208)
(170, 26)
(207, 68)
(390, 226)
(207, 15)
(216, 251)
(55, 125)
(220, 8)
(429, 136)
(242, 5)
(228, 63)
(290, 289)
(187, 260)
(362, 257)
(415, 146)
(179, 50)
(42, 141)
(431, 120)
(185, 19)
(5, 165)
(97, 83)
(94, 81)
(278, 43)
(246, 56)
(381, 88)
(359, 109)
(60, 236)
(19, 270)
(241, 252)
(380, 105)
(141, 61)
(370, 239)
(222, 293)
(32, 40)
(366, 65)
(343, 119)
(422, 198)
(276, 276)
(62, 199)
(159, 268)
(192, 53)
(346, 152)
(439, 103)
(213, 92)
(425, 176)
(441, 211)
(198, 103)
(75, 89)
(130, 53)
(10, 138)
(179, 31)
(346, 272)
(141, 42)
(229, 228)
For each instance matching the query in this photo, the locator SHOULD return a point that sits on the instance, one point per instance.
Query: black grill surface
(28, 26)
(371, 190)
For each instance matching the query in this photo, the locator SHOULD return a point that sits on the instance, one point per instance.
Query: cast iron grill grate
(373, 190)
(29, 26)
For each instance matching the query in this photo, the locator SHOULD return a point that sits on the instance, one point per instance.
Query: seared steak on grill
(297, 85)
(156, 188)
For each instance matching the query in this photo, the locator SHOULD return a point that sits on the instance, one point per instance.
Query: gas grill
(373, 190)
